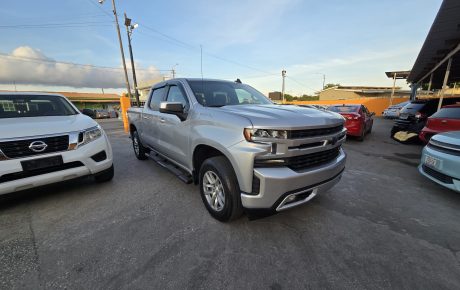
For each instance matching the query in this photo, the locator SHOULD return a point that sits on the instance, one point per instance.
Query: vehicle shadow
(46, 191)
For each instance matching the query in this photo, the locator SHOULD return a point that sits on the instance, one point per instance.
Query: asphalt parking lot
(382, 226)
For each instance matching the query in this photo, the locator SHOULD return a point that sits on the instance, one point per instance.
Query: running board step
(181, 174)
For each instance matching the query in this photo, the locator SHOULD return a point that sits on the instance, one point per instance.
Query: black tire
(361, 137)
(394, 130)
(104, 176)
(141, 151)
(370, 128)
(221, 167)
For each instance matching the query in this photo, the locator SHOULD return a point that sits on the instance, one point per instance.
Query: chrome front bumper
(282, 188)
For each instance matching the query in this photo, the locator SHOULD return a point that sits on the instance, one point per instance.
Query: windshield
(344, 109)
(412, 108)
(218, 94)
(448, 113)
(18, 106)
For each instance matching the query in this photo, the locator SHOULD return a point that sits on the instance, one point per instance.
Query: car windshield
(448, 113)
(344, 109)
(412, 108)
(18, 106)
(218, 94)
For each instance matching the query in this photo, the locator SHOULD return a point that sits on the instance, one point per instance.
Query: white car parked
(45, 139)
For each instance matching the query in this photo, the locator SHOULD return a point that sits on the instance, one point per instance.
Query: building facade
(355, 92)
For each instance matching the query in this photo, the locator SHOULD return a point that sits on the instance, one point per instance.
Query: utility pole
(283, 74)
(129, 31)
(324, 81)
(121, 46)
(173, 70)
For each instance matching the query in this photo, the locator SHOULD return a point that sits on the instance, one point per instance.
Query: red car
(358, 119)
(446, 119)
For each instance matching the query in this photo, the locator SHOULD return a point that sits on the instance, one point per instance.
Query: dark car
(89, 112)
(413, 116)
(444, 120)
(359, 120)
(102, 114)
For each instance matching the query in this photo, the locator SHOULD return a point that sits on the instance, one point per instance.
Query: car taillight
(419, 115)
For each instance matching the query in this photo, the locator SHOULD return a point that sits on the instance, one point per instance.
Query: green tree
(289, 98)
(327, 86)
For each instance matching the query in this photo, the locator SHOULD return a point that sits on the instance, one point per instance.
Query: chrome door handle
(162, 120)
(145, 117)
(444, 121)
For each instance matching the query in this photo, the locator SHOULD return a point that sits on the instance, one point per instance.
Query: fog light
(290, 198)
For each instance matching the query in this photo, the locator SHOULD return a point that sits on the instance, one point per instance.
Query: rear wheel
(139, 150)
(219, 189)
(361, 137)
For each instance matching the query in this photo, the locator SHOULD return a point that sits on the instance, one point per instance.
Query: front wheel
(219, 189)
(139, 150)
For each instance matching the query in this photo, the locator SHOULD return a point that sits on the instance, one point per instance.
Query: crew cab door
(174, 138)
(151, 117)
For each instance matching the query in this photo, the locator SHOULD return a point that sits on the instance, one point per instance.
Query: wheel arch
(202, 152)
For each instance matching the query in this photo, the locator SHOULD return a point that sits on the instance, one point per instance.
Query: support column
(393, 90)
(429, 84)
(444, 83)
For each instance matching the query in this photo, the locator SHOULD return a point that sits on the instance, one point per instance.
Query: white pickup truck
(245, 152)
(45, 139)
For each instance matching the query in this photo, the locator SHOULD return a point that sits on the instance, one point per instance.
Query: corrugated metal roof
(442, 38)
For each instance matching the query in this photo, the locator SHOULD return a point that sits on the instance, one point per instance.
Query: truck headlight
(90, 135)
(254, 134)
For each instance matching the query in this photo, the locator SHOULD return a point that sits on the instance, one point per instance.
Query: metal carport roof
(443, 41)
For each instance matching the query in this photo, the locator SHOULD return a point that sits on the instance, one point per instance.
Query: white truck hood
(36, 126)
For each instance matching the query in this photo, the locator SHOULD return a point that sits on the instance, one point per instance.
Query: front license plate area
(432, 162)
(41, 163)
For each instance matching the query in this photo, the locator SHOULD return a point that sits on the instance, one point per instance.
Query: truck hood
(36, 126)
(286, 117)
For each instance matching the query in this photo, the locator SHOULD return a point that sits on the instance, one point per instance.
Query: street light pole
(129, 31)
(121, 46)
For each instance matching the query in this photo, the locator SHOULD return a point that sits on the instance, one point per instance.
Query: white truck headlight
(254, 134)
(91, 134)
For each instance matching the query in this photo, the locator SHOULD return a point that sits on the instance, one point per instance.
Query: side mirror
(174, 108)
(372, 114)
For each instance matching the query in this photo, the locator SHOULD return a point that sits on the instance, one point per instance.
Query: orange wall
(376, 105)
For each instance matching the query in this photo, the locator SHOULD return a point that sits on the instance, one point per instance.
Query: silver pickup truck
(245, 152)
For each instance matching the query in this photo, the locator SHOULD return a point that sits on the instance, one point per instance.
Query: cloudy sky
(72, 44)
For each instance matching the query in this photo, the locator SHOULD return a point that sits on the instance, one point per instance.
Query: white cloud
(26, 65)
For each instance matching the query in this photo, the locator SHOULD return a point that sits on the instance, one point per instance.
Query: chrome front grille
(22, 148)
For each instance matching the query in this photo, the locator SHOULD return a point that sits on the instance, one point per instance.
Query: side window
(366, 111)
(175, 94)
(157, 97)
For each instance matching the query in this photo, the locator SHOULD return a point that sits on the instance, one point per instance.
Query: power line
(301, 84)
(100, 8)
(52, 24)
(183, 44)
(41, 60)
